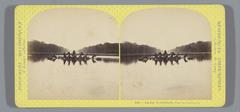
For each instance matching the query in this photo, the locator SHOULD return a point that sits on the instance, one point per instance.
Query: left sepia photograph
(73, 54)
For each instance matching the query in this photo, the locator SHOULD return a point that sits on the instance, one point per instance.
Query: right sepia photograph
(165, 54)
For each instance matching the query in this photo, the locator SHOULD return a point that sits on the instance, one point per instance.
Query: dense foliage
(112, 48)
(199, 46)
(126, 48)
(41, 47)
(133, 48)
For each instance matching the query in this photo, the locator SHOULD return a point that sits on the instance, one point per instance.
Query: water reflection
(145, 76)
(170, 60)
(81, 60)
(126, 60)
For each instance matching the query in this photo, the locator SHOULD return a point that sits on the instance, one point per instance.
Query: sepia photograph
(155, 54)
(74, 54)
(166, 55)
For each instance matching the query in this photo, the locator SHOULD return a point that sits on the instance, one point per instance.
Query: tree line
(198, 46)
(113, 48)
(42, 47)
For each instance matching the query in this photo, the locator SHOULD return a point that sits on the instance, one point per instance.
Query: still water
(106, 78)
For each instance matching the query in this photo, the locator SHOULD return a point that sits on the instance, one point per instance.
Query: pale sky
(163, 28)
(73, 28)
